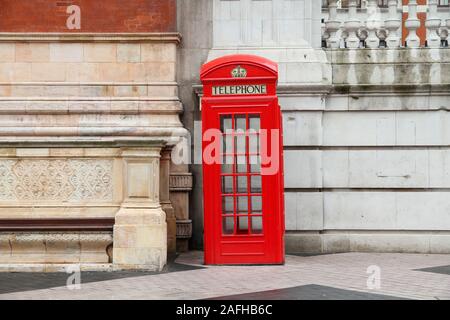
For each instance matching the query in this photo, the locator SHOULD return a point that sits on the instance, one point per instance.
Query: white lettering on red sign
(239, 89)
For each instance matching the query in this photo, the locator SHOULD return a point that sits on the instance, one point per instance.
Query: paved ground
(335, 276)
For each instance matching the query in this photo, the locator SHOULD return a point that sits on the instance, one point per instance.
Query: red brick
(96, 16)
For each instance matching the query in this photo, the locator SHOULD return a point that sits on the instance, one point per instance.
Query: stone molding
(54, 247)
(180, 182)
(90, 37)
(184, 229)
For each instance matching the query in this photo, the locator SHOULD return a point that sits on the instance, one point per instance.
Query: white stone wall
(266, 23)
(285, 31)
(366, 133)
(366, 163)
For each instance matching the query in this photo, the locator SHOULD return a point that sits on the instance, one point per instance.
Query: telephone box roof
(248, 59)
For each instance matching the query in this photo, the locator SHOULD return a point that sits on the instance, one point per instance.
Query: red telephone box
(243, 188)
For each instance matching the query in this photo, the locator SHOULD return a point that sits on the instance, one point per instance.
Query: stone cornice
(302, 89)
(286, 89)
(90, 37)
(397, 89)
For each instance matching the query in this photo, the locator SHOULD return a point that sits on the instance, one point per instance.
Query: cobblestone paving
(334, 276)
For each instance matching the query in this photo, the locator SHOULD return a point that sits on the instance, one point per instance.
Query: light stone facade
(86, 128)
(365, 130)
(88, 122)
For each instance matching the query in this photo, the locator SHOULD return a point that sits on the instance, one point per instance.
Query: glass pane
(254, 122)
(255, 164)
(225, 123)
(256, 204)
(228, 159)
(242, 205)
(227, 184)
(241, 164)
(227, 225)
(227, 144)
(256, 225)
(227, 205)
(243, 224)
(240, 144)
(227, 168)
(242, 184)
(253, 146)
(240, 123)
(255, 184)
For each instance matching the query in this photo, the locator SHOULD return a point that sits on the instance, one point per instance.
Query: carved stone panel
(56, 180)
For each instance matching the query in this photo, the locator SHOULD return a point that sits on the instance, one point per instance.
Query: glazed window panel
(228, 225)
(227, 184)
(255, 184)
(257, 224)
(241, 184)
(228, 205)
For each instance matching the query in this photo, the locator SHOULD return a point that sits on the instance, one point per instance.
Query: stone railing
(380, 27)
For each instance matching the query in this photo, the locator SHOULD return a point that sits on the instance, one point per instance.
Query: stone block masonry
(366, 135)
(84, 122)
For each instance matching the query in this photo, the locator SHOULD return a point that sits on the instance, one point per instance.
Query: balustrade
(356, 24)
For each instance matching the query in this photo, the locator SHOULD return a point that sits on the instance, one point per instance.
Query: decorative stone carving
(373, 24)
(412, 24)
(332, 25)
(180, 182)
(443, 32)
(393, 23)
(432, 24)
(352, 25)
(184, 229)
(61, 180)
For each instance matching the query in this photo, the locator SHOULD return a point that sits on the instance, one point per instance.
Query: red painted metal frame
(242, 248)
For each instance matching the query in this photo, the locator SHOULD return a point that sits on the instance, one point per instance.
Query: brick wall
(96, 16)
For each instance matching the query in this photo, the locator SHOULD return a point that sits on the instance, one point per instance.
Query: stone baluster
(382, 35)
(325, 34)
(332, 25)
(362, 34)
(432, 24)
(352, 25)
(393, 23)
(412, 24)
(344, 36)
(372, 24)
(443, 33)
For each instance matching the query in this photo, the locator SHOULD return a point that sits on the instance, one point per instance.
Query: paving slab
(352, 276)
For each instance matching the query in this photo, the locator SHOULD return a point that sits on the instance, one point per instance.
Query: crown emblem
(239, 72)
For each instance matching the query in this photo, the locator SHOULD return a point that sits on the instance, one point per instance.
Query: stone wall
(195, 24)
(84, 121)
(365, 131)
(368, 156)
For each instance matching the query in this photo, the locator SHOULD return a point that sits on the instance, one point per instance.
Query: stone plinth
(140, 232)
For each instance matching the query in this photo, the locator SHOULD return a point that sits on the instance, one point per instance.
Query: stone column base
(140, 239)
